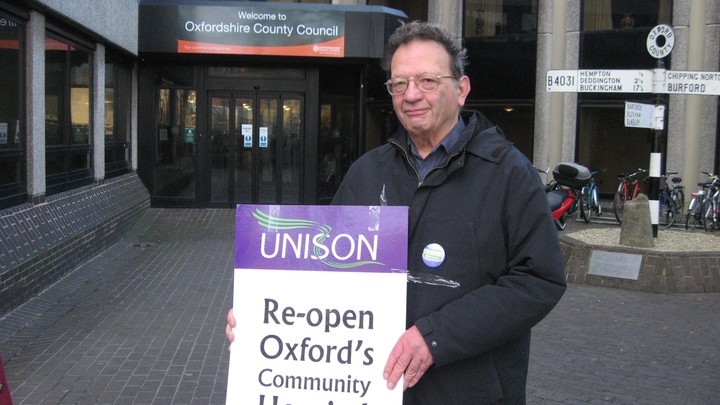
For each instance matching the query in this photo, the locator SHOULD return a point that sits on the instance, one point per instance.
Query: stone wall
(39, 244)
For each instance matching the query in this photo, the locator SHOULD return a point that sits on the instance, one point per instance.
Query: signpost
(638, 115)
(660, 42)
(634, 81)
(600, 81)
(691, 82)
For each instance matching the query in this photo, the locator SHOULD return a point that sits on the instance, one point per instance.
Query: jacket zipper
(407, 159)
(417, 175)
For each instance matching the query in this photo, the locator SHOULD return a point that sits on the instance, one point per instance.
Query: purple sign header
(321, 238)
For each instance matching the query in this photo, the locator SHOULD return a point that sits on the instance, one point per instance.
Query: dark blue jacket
(503, 269)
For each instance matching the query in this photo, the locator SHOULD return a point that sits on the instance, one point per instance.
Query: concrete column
(555, 113)
(675, 159)
(447, 13)
(572, 61)
(98, 113)
(557, 105)
(694, 142)
(710, 104)
(134, 120)
(35, 106)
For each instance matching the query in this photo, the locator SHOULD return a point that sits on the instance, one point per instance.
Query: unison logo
(342, 251)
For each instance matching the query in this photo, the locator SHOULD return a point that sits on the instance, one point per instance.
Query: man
(484, 259)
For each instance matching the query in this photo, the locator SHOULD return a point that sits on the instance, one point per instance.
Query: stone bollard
(636, 228)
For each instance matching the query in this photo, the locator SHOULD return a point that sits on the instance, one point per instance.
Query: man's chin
(414, 124)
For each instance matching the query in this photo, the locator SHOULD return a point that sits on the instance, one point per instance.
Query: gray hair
(423, 31)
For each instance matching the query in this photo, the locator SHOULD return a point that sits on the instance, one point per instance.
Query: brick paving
(143, 323)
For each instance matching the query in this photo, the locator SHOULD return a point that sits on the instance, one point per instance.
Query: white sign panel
(639, 115)
(314, 337)
(246, 130)
(690, 82)
(263, 137)
(600, 81)
(3, 132)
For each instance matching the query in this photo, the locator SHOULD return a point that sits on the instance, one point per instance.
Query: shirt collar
(447, 143)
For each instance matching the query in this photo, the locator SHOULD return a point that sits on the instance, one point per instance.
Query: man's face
(427, 115)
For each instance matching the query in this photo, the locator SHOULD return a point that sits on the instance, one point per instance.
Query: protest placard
(319, 299)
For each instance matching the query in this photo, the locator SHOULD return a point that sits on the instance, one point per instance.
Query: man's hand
(229, 328)
(410, 356)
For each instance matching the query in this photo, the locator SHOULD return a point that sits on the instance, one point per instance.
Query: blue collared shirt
(437, 156)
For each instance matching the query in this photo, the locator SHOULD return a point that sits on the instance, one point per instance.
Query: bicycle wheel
(679, 197)
(694, 215)
(618, 204)
(668, 211)
(584, 203)
(595, 201)
(706, 214)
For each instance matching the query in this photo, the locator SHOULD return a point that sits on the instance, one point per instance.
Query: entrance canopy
(260, 28)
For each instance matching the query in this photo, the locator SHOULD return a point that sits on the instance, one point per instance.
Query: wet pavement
(143, 323)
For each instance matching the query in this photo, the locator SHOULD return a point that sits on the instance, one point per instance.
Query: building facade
(110, 107)
(68, 138)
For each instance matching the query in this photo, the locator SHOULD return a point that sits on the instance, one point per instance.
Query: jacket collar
(480, 137)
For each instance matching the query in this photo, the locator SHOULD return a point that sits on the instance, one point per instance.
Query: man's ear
(464, 89)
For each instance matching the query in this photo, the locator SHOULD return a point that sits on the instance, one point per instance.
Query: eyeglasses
(399, 85)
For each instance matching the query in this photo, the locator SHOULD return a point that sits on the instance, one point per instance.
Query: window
(118, 84)
(175, 104)
(501, 39)
(68, 74)
(490, 18)
(12, 143)
(625, 14)
(338, 136)
(614, 37)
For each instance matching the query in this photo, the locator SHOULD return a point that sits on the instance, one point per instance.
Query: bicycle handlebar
(630, 177)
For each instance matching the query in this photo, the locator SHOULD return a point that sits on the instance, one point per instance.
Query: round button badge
(433, 255)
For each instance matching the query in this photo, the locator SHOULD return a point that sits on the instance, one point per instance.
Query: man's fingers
(229, 333)
(229, 327)
(409, 357)
(395, 365)
(414, 371)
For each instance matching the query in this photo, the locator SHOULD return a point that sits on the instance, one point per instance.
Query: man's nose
(412, 90)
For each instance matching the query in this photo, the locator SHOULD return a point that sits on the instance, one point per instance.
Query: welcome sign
(319, 299)
(261, 31)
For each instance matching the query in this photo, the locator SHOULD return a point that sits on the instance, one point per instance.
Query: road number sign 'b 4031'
(600, 81)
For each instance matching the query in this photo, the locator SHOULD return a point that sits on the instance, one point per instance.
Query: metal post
(655, 170)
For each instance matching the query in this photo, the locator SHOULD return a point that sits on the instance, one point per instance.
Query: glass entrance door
(255, 148)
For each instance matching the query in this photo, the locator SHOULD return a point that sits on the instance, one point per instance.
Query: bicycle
(710, 206)
(590, 198)
(669, 200)
(698, 207)
(628, 189)
(678, 194)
